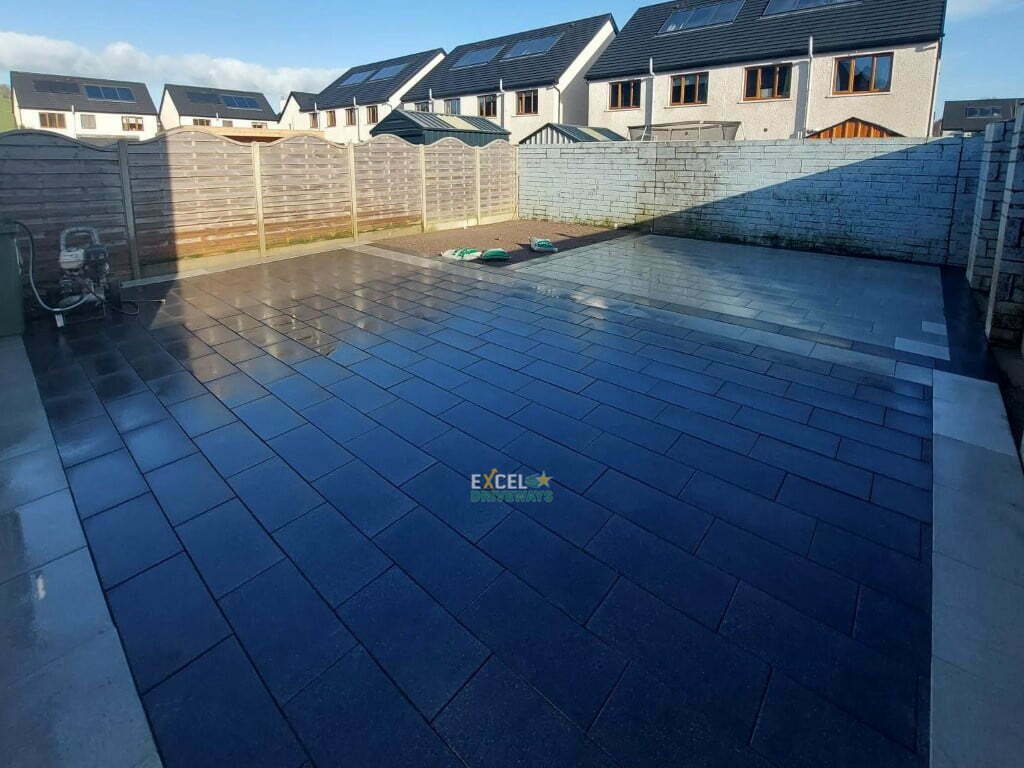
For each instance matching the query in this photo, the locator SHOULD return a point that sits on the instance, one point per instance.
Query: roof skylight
(240, 102)
(776, 7)
(532, 47)
(702, 16)
(358, 77)
(386, 73)
(55, 86)
(476, 57)
(109, 93)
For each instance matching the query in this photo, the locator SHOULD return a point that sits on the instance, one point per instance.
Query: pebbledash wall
(892, 198)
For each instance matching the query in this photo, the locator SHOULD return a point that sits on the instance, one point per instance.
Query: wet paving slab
(720, 547)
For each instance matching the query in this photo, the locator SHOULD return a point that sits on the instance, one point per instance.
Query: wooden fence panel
(388, 184)
(498, 180)
(450, 182)
(194, 195)
(50, 183)
(306, 191)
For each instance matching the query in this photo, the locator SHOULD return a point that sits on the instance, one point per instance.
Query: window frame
(419, 106)
(776, 96)
(314, 121)
(259, 126)
(617, 86)
(56, 121)
(522, 97)
(201, 122)
(227, 123)
(331, 118)
(484, 101)
(853, 73)
(132, 124)
(372, 115)
(706, 75)
(82, 117)
(457, 101)
(351, 116)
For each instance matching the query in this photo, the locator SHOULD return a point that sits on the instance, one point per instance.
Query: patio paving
(272, 472)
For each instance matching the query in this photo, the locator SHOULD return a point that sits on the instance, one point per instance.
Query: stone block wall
(893, 198)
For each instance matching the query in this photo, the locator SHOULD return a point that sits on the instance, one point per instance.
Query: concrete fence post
(423, 186)
(352, 189)
(1014, 160)
(257, 178)
(476, 187)
(129, 209)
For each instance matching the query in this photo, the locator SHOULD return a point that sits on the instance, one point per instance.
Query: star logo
(543, 479)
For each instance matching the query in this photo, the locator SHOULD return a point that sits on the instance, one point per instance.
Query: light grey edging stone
(977, 700)
(67, 698)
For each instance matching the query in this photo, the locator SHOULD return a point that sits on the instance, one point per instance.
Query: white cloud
(962, 8)
(122, 60)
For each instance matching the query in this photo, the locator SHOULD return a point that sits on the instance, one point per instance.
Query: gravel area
(513, 236)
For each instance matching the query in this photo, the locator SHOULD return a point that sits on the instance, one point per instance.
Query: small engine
(85, 267)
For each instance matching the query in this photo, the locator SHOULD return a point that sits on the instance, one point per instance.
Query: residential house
(352, 105)
(87, 108)
(292, 117)
(779, 68)
(215, 108)
(972, 116)
(521, 81)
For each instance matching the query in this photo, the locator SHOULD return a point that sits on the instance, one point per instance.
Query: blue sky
(275, 46)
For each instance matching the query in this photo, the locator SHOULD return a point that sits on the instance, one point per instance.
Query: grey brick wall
(894, 198)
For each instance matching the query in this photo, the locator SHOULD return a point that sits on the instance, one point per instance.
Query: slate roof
(529, 71)
(374, 91)
(579, 133)
(189, 108)
(24, 85)
(306, 101)
(755, 37)
(433, 121)
(954, 115)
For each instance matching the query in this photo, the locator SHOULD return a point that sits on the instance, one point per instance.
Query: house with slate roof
(779, 68)
(87, 108)
(349, 108)
(521, 81)
(215, 108)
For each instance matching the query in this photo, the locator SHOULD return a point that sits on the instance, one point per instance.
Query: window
(55, 86)
(314, 120)
(88, 122)
(200, 121)
(984, 112)
(487, 105)
(690, 89)
(771, 82)
(129, 123)
(350, 116)
(785, 6)
(332, 118)
(532, 47)
(386, 73)
(452, 106)
(372, 115)
(259, 126)
(477, 57)
(358, 77)
(227, 123)
(51, 120)
(422, 106)
(625, 94)
(864, 74)
(109, 93)
(240, 102)
(526, 103)
(705, 16)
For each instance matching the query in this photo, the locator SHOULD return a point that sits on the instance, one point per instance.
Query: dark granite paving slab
(273, 470)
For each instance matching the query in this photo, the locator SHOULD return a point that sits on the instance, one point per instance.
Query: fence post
(423, 185)
(257, 177)
(476, 157)
(515, 180)
(129, 208)
(352, 189)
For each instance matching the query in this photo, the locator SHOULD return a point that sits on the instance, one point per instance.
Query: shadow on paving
(273, 472)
